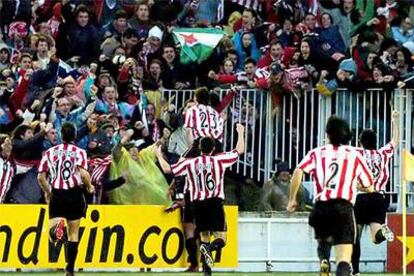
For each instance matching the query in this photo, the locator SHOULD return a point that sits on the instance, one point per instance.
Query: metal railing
(288, 132)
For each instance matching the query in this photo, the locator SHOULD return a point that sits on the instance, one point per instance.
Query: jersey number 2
(333, 169)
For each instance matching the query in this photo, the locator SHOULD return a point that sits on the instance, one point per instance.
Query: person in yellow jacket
(146, 184)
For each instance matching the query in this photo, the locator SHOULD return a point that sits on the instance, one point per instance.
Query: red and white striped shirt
(251, 4)
(336, 171)
(6, 175)
(205, 174)
(378, 161)
(62, 163)
(204, 121)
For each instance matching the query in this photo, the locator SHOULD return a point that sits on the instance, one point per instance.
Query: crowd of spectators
(103, 66)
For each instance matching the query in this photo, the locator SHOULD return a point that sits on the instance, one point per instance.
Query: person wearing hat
(96, 143)
(275, 193)
(152, 47)
(347, 72)
(100, 148)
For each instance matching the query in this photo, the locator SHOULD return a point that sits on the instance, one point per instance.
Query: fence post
(269, 147)
(402, 102)
(325, 110)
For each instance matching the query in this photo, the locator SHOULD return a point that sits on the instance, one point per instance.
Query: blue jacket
(333, 37)
(255, 52)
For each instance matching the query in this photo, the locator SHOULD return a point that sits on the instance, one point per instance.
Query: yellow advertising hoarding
(110, 237)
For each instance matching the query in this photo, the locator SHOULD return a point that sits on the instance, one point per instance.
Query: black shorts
(370, 207)
(334, 219)
(209, 215)
(69, 204)
(187, 212)
(194, 151)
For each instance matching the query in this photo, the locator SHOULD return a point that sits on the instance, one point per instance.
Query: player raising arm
(371, 208)
(336, 169)
(205, 185)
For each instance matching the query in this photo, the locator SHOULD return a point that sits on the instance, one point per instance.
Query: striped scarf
(97, 168)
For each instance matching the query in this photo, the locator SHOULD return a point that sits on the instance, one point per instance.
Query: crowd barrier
(287, 133)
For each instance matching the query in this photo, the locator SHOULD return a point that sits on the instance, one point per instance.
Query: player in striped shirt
(205, 184)
(63, 172)
(202, 120)
(371, 208)
(7, 168)
(336, 169)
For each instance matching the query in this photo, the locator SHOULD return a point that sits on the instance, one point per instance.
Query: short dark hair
(68, 132)
(25, 55)
(167, 45)
(250, 60)
(207, 145)
(121, 14)
(131, 33)
(276, 42)
(42, 39)
(231, 52)
(202, 95)
(309, 13)
(19, 131)
(338, 131)
(81, 8)
(214, 100)
(368, 139)
(253, 12)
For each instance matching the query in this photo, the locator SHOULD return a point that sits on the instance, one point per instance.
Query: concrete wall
(292, 246)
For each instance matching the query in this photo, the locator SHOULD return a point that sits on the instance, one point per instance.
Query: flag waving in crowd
(197, 44)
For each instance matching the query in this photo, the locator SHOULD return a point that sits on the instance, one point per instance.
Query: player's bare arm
(189, 136)
(125, 137)
(86, 179)
(369, 189)
(41, 177)
(240, 139)
(395, 140)
(163, 163)
(294, 188)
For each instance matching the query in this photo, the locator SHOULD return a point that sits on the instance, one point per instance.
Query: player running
(65, 168)
(371, 208)
(205, 185)
(336, 169)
